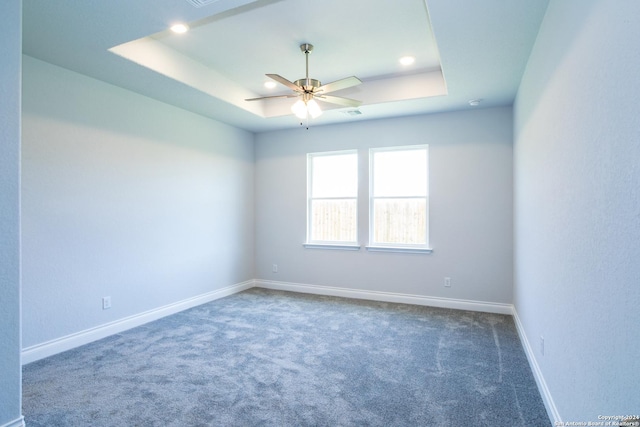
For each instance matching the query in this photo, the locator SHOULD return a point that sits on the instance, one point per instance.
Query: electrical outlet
(447, 282)
(106, 303)
(541, 345)
(274, 268)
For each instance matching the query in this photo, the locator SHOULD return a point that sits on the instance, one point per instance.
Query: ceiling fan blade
(272, 97)
(339, 84)
(285, 82)
(346, 102)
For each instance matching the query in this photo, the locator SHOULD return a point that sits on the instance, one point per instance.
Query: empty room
(329, 213)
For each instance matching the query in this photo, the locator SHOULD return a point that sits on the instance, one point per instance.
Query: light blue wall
(577, 206)
(124, 196)
(10, 369)
(470, 155)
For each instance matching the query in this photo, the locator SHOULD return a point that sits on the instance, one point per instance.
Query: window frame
(330, 244)
(397, 247)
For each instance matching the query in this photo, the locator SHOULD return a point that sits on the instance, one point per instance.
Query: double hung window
(332, 198)
(399, 197)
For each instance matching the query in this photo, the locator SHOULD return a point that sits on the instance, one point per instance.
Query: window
(332, 193)
(399, 198)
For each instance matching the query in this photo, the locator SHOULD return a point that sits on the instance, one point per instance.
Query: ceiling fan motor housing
(308, 85)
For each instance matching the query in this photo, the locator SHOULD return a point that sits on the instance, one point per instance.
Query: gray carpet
(269, 358)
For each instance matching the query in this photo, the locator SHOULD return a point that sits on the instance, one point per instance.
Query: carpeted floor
(269, 358)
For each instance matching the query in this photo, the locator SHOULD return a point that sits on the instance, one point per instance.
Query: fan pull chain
(307, 126)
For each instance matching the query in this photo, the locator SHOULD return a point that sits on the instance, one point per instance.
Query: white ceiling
(464, 49)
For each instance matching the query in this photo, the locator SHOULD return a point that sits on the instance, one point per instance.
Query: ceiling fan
(310, 89)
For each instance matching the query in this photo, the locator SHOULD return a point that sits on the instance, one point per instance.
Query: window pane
(333, 220)
(334, 176)
(400, 173)
(400, 221)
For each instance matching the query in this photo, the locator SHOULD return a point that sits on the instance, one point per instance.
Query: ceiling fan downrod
(307, 84)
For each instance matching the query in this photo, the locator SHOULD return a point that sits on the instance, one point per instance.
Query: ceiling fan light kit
(308, 89)
(304, 109)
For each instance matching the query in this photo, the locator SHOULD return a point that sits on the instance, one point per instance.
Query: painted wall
(577, 207)
(470, 207)
(10, 368)
(125, 197)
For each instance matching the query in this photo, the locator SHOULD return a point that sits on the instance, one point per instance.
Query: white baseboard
(549, 404)
(459, 304)
(15, 423)
(49, 348)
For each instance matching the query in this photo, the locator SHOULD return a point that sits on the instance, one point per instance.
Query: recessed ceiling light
(474, 102)
(180, 28)
(407, 60)
(269, 85)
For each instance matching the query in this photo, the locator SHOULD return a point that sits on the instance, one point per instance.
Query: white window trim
(400, 249)
(324, 244)
(339, 247)
(395, 247)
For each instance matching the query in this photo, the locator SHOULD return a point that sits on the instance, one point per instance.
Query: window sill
(399, 249)
(332, 247)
